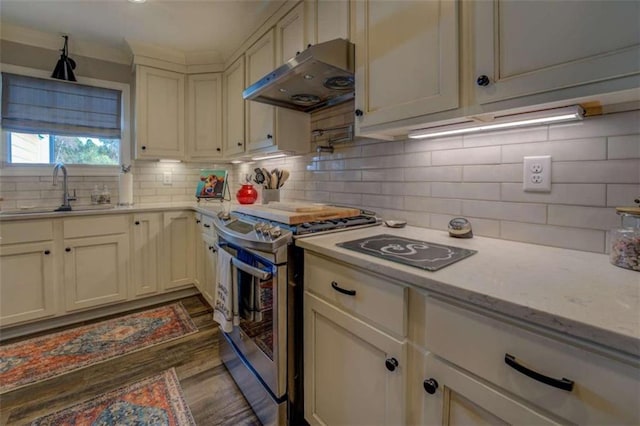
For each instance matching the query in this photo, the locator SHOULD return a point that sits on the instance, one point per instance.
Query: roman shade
(37, 105)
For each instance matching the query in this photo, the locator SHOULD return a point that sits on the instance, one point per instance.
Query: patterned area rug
(156, 400)
(41, 358)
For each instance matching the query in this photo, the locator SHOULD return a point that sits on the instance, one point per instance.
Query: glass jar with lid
(625, 241)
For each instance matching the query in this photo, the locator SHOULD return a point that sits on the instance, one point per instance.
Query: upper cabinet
(406, 59)
(204, 113)
(524, 48)
(234, 108)
(290, 35)
(332, 20)
(259, 121)
(160, 101)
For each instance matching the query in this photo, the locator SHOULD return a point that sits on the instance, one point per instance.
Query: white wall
(595, 167)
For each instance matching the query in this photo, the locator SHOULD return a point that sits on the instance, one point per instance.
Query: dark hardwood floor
(211, 393)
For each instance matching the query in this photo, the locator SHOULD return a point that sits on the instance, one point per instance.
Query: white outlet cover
(166, 178)
(537, 174)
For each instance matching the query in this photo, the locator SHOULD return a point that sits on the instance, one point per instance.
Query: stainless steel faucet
(65, 196)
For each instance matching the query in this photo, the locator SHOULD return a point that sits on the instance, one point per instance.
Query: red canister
(247, 194)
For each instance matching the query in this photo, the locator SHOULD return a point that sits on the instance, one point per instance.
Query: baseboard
(47, 324)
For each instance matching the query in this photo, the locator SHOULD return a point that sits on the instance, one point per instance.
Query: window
(46, 121)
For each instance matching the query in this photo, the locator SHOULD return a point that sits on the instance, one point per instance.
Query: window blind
(37, 105)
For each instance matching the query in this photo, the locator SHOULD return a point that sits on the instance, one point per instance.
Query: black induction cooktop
(420, 254)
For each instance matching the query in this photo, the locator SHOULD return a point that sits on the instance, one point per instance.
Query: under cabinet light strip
(269, 157)
(557, 115)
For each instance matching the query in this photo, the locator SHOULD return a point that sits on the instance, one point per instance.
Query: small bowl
(395, 223)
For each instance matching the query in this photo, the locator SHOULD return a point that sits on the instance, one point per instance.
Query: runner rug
(51, 355)
(156, 400)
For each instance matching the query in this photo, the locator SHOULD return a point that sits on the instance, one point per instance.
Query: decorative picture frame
(212, 184)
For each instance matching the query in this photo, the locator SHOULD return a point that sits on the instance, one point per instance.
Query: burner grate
(416, 253)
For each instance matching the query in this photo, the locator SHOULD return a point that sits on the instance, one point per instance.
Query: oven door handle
(251, 270)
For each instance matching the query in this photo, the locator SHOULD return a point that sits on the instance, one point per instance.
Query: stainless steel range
(263, 352)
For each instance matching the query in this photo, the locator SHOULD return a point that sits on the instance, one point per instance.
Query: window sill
(47, 169)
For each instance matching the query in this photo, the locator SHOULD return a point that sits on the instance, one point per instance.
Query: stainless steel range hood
(319, 77)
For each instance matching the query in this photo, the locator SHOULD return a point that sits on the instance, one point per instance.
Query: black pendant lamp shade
(65, 66)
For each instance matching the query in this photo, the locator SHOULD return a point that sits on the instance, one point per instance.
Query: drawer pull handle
(564, 384)
(206, 225)
(339, 289)
(430, 386)
(391, 364)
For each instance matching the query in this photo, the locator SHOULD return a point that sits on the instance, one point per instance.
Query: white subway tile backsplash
(383, 175)
(621, 147)
(385, 148)
(417, 145)
(536, 134)
(347, 198)
(484, 155)
(434, 174)
(433, 205)
(622, 195)
(556, 236)
(624, 123)
(473, 191)
(519, 212)
(383, 201)
(561, 193)
(493, 173)
(611, 171)
(570, 150)
(348, 175)
(603, 218)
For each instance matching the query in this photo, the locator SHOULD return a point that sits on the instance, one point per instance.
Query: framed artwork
(212, 184)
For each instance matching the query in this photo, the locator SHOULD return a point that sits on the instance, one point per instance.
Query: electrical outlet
(537, 174)
(167, 178)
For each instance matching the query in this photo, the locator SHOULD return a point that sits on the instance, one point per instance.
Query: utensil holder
(269, 195)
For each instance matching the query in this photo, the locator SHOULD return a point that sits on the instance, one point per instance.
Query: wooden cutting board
(295, 218)
(297, 207)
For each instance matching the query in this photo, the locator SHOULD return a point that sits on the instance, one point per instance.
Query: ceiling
(217, 27)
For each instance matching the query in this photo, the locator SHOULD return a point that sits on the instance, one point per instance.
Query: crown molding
(175, 60)
(31, 37)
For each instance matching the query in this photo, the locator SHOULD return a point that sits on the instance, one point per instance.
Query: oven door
(260, 337)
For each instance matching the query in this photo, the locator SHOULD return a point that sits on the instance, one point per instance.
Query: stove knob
(306, 225)
(258, 227)
(275, 232)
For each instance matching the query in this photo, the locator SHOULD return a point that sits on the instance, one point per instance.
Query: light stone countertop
(572, 292)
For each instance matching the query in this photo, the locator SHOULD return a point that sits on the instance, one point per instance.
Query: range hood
(317, 78)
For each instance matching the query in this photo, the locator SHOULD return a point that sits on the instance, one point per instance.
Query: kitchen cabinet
(95, 261)
(328, 20)
(234, 108)
(354, 373)
(204, 113)
(146, 254)
(208, 286)
(260, 118)
(355, 350)
(178, 241)
(406, 59)
(290, 35)
(593, 41)
(160, 112)
(27, 271)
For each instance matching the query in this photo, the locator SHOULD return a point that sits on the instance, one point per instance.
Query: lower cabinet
(354, 373)
(178, 242)
(95, 260)
(146, 254)
(27, 283)
(210, 258)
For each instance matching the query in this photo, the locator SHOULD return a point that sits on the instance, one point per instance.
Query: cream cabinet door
(208, 285)
(200, 255)
(95, 270)
(332, 19)
(204, 115)
(27, 284)
(159, 114)
(178, 241)
(290, 35)
(146, 254)
(406, 59)
(530, 47)
(234, 109)
(260, 118)
(346, 378)
(452, 397)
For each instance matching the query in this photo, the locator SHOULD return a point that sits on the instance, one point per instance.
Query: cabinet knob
(137, 222)
(206, 225)
(430, 386)
(297, 53)
(269, 136)
(391, 364)
(210, 247)
(197, 220)
(239, 143)
(308, 45)
(68, 249)
(359, 113)
(483, 80)
(144, 147)
(218, 149)
(47, 252)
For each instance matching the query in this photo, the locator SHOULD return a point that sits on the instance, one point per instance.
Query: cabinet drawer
(91, 226)
(207, 226)
(26, 231)
(605, 391)
(376, 299)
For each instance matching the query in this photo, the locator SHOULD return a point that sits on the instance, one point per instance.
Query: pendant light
(65, 66)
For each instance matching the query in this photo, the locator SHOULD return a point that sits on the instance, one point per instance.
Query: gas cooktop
(419, 254)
